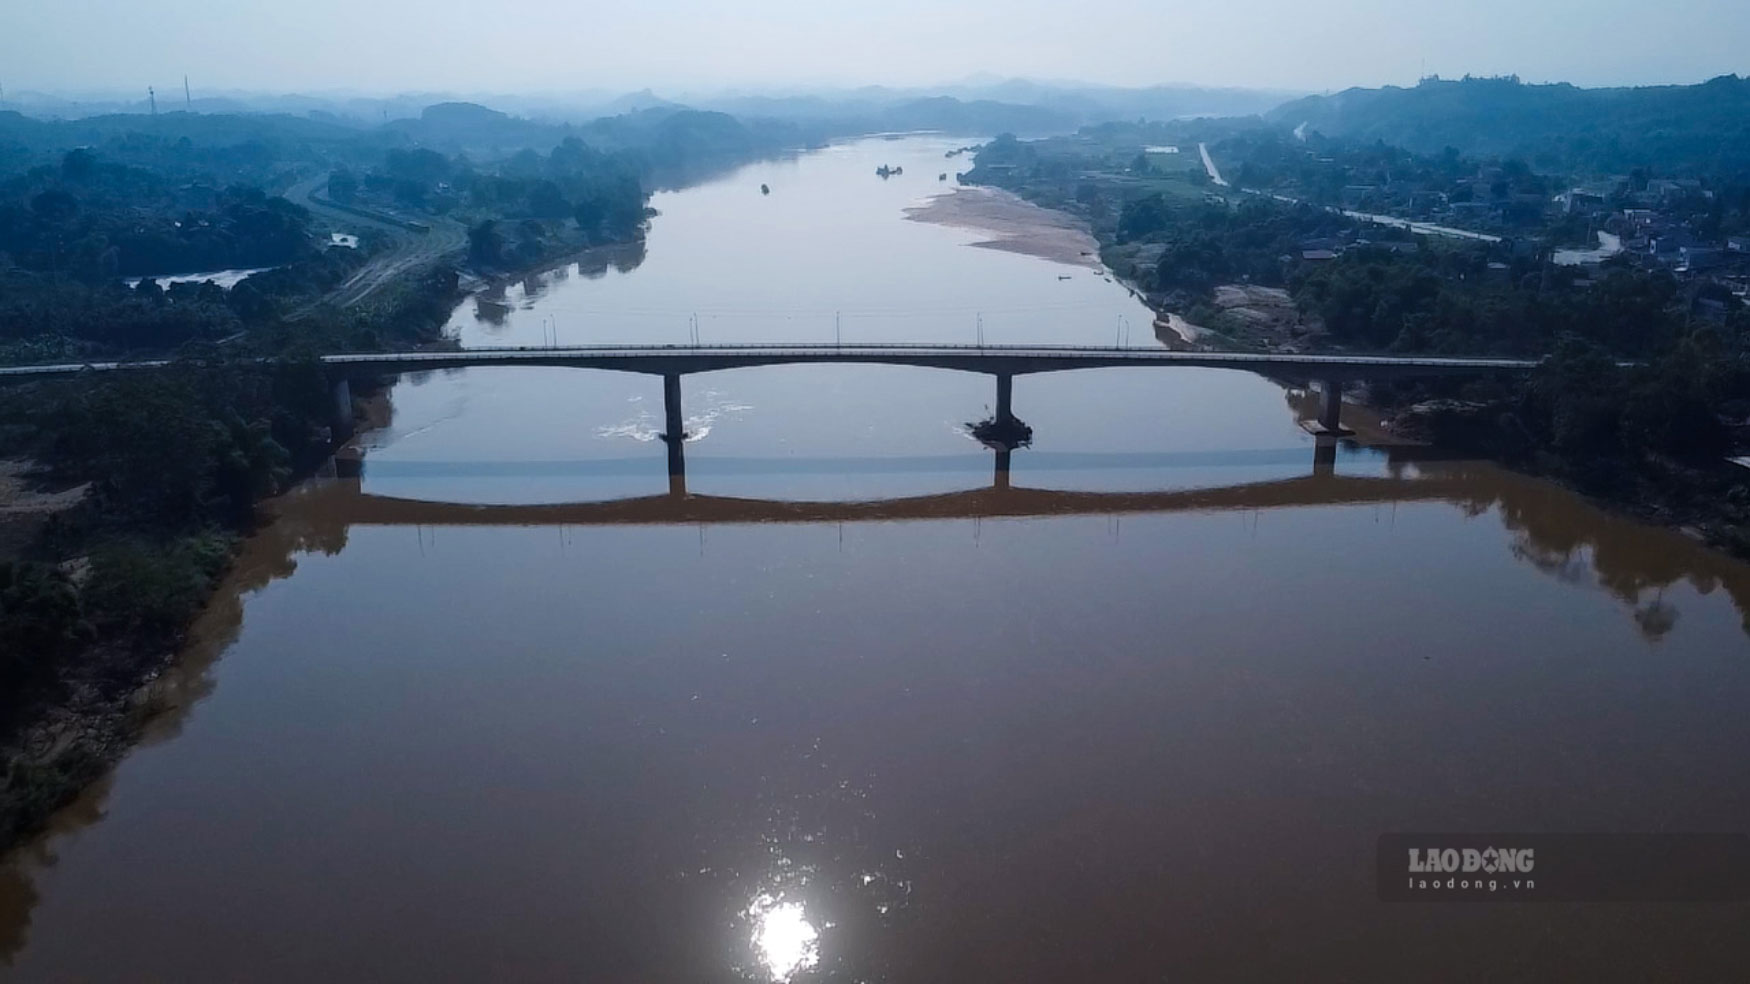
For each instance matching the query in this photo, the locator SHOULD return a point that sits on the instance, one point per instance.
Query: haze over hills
(672, 135)
(1695, 129)
(1070, 103)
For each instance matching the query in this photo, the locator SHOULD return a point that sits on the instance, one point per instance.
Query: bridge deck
(993, 359)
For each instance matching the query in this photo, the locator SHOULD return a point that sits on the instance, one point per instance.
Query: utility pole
(152, 97)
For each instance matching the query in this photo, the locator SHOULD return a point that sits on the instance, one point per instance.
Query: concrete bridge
(1005, 362)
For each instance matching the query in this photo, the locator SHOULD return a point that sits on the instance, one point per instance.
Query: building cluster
(1650, 223)
(1654, 227)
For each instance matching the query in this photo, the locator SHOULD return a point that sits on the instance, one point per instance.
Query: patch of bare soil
(1017, 225)
(25, 505)
(1263, 318)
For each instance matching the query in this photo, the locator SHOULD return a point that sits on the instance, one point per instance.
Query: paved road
(1420, 228)
(1209, 165)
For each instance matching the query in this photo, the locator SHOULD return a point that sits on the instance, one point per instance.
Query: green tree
(343, 186)
(485, 244)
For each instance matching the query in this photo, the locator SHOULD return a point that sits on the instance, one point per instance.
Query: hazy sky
(383, 46)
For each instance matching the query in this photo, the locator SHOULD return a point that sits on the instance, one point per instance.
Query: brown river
(854, 705)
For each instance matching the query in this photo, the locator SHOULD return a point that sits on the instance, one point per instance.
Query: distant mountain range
(1039, 106)
(1025, 105)
(1699, 129)
(1674, 129)
(674, 138)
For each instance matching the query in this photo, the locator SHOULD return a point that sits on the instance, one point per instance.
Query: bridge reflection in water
(343, 500)
(1553, 530)
(1550, 529)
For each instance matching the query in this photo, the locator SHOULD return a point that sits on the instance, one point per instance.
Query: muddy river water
(857, 708)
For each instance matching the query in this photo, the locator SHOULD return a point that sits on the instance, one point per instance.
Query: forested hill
(236, 148)
(1686, 130)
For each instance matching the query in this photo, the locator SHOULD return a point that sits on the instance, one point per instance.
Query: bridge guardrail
(997, 354)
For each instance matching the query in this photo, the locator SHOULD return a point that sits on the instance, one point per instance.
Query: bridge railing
(925, 348)
(826, 353)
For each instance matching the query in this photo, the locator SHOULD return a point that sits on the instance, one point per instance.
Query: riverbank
(1247, 317)
(589, 259)
(1640, 461)
(1704, 501)
(67, 730)
(97, 591)
(104, 693)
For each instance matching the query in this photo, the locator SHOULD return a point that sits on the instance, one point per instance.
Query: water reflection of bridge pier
(1554, 532)
(675, 436)
(345, 501)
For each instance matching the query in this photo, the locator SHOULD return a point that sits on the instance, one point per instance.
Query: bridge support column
(1001, 480)
(1005, 397)
(340, 426)
(675, 434)
(1324, 457)
(1330, 411)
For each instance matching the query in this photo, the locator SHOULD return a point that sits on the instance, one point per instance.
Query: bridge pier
(1330, 422)
(1324, 457)
(675, 434)
(340, 425)
(1005, 397)
(1001, 479)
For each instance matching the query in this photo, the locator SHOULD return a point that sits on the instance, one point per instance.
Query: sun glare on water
(785, 942)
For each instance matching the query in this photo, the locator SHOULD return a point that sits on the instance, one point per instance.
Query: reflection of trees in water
(492, 312)
(1628, 559)
(493, 307)
(535, 284)
(1574, 541)
(18, 894)
(1567, 568)
(620, 258)
(17, 899)
(267, 557)
(1563, 535)
(1656, 618)
(1554, 530)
